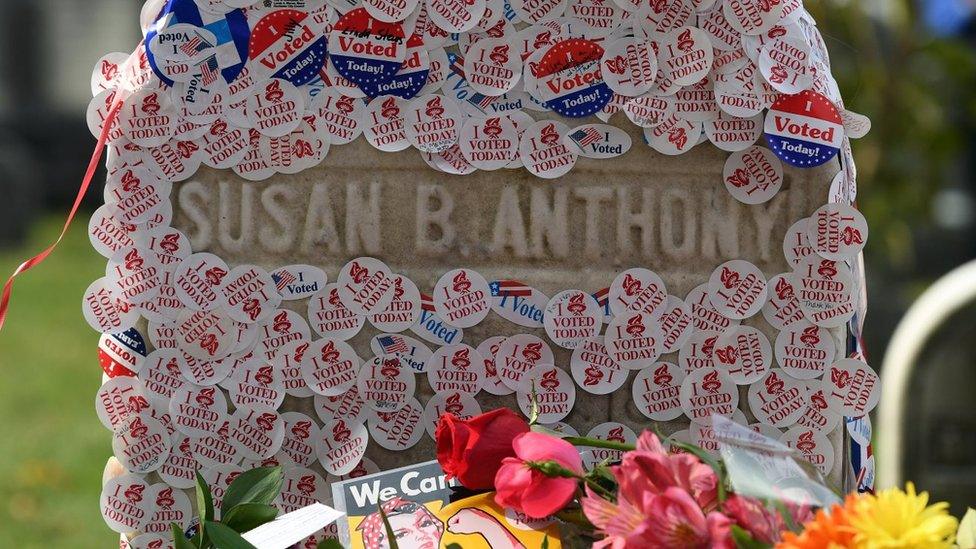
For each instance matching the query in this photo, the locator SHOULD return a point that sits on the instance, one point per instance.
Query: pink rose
(521, 485)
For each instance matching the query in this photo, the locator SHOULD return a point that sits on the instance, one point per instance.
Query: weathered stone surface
(672, 215)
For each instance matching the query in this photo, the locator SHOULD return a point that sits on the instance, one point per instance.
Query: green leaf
(205, 506)
(966, 536)
(179, 539)
(330, 543)
(454, 546)
(245, 517)
(390, 537)
(545, 542)
(225, 538)
(744, 540)
(260, 485)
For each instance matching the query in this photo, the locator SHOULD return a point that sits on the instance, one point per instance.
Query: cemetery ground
(53, 447)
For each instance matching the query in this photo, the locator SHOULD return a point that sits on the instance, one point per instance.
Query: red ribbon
(82, 190)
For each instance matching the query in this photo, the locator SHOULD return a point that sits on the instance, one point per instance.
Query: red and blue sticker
(285, 44)
(230, 29)
(121, 354)
(410, 79)
(365, 50)
(805, 129)
(570, 79)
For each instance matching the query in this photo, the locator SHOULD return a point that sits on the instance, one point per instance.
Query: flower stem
(597, 443)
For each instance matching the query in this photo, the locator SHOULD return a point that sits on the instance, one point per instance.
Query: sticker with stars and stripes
(804, 130)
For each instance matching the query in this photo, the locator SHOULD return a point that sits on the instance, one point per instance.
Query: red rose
(473, 450)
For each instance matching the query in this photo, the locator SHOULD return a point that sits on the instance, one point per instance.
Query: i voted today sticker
(570, 78)
(366, 50)
(287, 44)
(804, 130)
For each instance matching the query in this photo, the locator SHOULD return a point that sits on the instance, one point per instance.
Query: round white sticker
(519, 354)
(257, 432)
(778, 400)
(462, 298)
(593, 369)
(782, 310)
(813, 446)
(543, 152)
(386, 383)
(198, 411)
(837, 231)
(851, 387)
(461, 406)
(707, 392)
(330, 317)
(433, 122)
(141, 444)
(804, 351)
(656, 391)
(488, 349)
(398, 430)
(489, 143)
(638, 289)
(403, 311)
(676, 325)
(753, 176)
(330, 367)
(342, 446)
(572, 316)
(825, 290)
(365, 285)
(737, 289)
(124, 503)
(744, 353)
(554, 393)
(634, 340)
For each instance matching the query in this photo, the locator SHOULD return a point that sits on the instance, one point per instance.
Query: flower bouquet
(662, 492)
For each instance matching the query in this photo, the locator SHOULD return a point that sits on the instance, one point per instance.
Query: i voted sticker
(403, 311)
(825, 290)
(296, 282)
(732, 134)
(610, 431)
(629, 66)
(125, 503)
(570, 78)
(744, 353)
(737, 289)
(288, 363)
(650, 110)
(804, 130)
(205, 372)
(179, 469)
(812, 446)
(410, 79)
(571, 317)
(257, 432)
(330, 367)
(433, 123)
(804, 350)
(400, 430)
(462, 298)
(633, 340)
(198, 411)
(254, 384)
(276, 108)
(385, 123)
(488, 349)
(455, 16)
(161, 376)
(459, 405)
(554, 392)
(301, 434)
(817, 415)
(148, 118)
(122, 353)
(851, 387)
(676, 325)
(796, 243)
(169, 505)
(250, 294)
(342, 446)
(348, 406)
(518, 303)
(118, 399)
(656, 391)
(432, 328)
(753, 176)
(330, 317)
(753, 17)
(492, 66)
(285, 326)
(198, 280)
(366, 50)
(386, 384)
(594, 370)
(707, 392)
(105, 310)
(207, 335)
(365, 285)
(489, 143)
(412, 352)
(687, 55)
(543, 152)
(638, 289)
(782, 310)
(837, 231)
(518, 355)
(216, 449)
(598, 141)
(456, 369)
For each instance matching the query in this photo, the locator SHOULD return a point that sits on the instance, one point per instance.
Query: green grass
(53, 447)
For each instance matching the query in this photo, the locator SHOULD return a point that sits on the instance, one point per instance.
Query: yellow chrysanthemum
(896, 519)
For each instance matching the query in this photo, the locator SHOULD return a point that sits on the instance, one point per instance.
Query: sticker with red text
(207, 335)
(753, 16)
(543, 152)
(676, 325)
(538, 11)
(456, 369)
(459, 405)
(386, 383)
(572, 316)
(285, 326)
(403, 311)
(804, 351)
(365, 50)
(275, 108)
(205, 372)
(813, 446)
(257, 432)
(851, 387)
(610, 431)
(782, 310)
(519, 354)
(825, 291)
(488, 349)
(329, 367)
(455, 15)
(837, 231)
(385, 125)
(656, 391)
(733, 134)
(301, 434)
(341, 446)
(105, 310)
(744, 353)
(125, 504)
(698, 351)
(287, 44)
(118, 399)
(707, 392)
(398, 430)
(634, 340)
(638, 289)
(555, 393)
(148, 118)
(250, 294)
(462, 298)
(570, 78)
(330, 317)
(433, 122)
(255, 384)
(778, 400)
(198, 280)
(365, 285)
(804, 130)
(594, 370)
(686, 55)
(737, 289)
(489, 143)
(198, 411)
(492, 66)
(629, 66)
(753, 176)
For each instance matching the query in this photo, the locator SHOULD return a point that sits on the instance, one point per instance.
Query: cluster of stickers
(268, 87)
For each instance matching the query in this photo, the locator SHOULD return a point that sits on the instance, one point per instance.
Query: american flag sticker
(586, 136)
(393, 344)
(282, 279)
(598, 141)
(518, 303)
